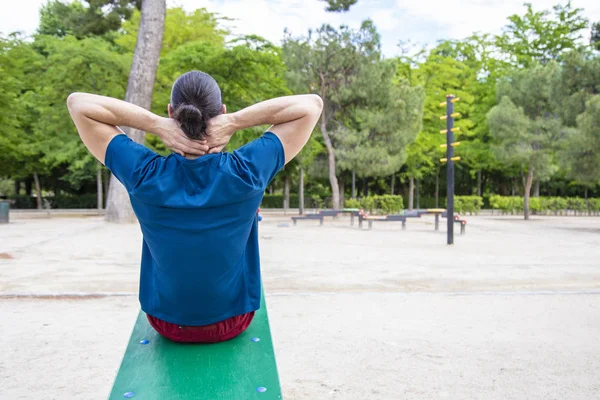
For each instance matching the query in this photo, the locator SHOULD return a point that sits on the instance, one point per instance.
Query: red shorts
(213, 333)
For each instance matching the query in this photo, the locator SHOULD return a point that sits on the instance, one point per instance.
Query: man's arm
(293, 119)
(97, 119)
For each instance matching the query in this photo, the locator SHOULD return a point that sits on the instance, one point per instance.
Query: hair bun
(191, 120)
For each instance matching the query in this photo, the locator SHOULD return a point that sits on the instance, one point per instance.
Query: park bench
(309, 216)
(155, 368)
(458, 220)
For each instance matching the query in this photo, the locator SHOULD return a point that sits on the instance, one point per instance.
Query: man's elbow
(74, 100)
(317, 103)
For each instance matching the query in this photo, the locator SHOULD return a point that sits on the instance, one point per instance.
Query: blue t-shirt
(200, 260)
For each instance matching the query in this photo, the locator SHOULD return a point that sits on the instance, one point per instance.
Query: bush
(468, 204)
(545, 205)
(368, 203)
(23, 201)
(389, 204)
(352, 203)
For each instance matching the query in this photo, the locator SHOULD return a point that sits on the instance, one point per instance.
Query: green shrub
(368, 203)
(468, 204)
(352, 203)
(545, 205)
(389, 204)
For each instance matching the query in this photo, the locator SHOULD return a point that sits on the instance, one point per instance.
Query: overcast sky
(421, 21)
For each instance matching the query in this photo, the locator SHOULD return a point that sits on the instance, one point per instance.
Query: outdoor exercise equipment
(450, 159)
(155, 368)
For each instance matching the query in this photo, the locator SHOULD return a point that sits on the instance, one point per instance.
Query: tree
(139, 92)
(582, 151)
(595, 36)
(377, 133)
(526, 123)
(74, 65)
(96, 18)
(541, 36)
(180, 28)
(439, 74)
(339, 5)
(328, 63)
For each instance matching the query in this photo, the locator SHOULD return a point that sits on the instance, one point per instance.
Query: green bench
(241, 368)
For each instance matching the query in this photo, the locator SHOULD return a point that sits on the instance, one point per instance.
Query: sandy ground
(509, 312)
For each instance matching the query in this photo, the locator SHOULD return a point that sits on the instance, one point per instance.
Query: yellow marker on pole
(444, 117)
(452, 144)
(455, 115)
(453, 159)
(455, 129)
(443, 104)
(454, 100)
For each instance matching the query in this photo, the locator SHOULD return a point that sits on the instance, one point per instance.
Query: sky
(423, 22)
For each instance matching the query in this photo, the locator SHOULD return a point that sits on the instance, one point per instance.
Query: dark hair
(195, 98)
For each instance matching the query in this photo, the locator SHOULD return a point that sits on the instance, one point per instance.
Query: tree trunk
(437, 189)
(28, 183)
(417, 190)
(365, 186)
(353, 184)
(585, 193)
(100, 197)
(528, 183)
(536, 189)
(271, 190)
(478, 182)
(139, 92)
(301, 191)
(392, 184)
(286, 191)
(335, 190)
(342, 190)
(105, 182)
(411, 192)
(38, 190)
(17, 187)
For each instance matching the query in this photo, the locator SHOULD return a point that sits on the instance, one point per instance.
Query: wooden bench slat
(235, 369)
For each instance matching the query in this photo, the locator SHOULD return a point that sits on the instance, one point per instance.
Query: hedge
(310, 201)
(546, 205)
(387, 203)
(468, 204)
(61, 201)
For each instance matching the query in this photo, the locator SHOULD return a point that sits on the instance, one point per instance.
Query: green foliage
(56, 202)
(581, 155)
(595, 36)
(180, 28)
(96, 18)
(468, 204)
(526, 123)
(546, 205)
(388, 204)
(339, 5)
(352, 203)
(542, 36)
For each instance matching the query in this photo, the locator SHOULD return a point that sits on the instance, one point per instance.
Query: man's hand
(173, 137)
(219, 130)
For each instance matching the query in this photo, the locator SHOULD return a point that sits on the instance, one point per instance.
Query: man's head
(195, 98)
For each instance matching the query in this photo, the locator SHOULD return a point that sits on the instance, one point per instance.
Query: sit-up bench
(309, 216)
(458, 220)
(155, 368)
(383, 218)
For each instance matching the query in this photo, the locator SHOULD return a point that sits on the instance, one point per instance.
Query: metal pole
(449, 155)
